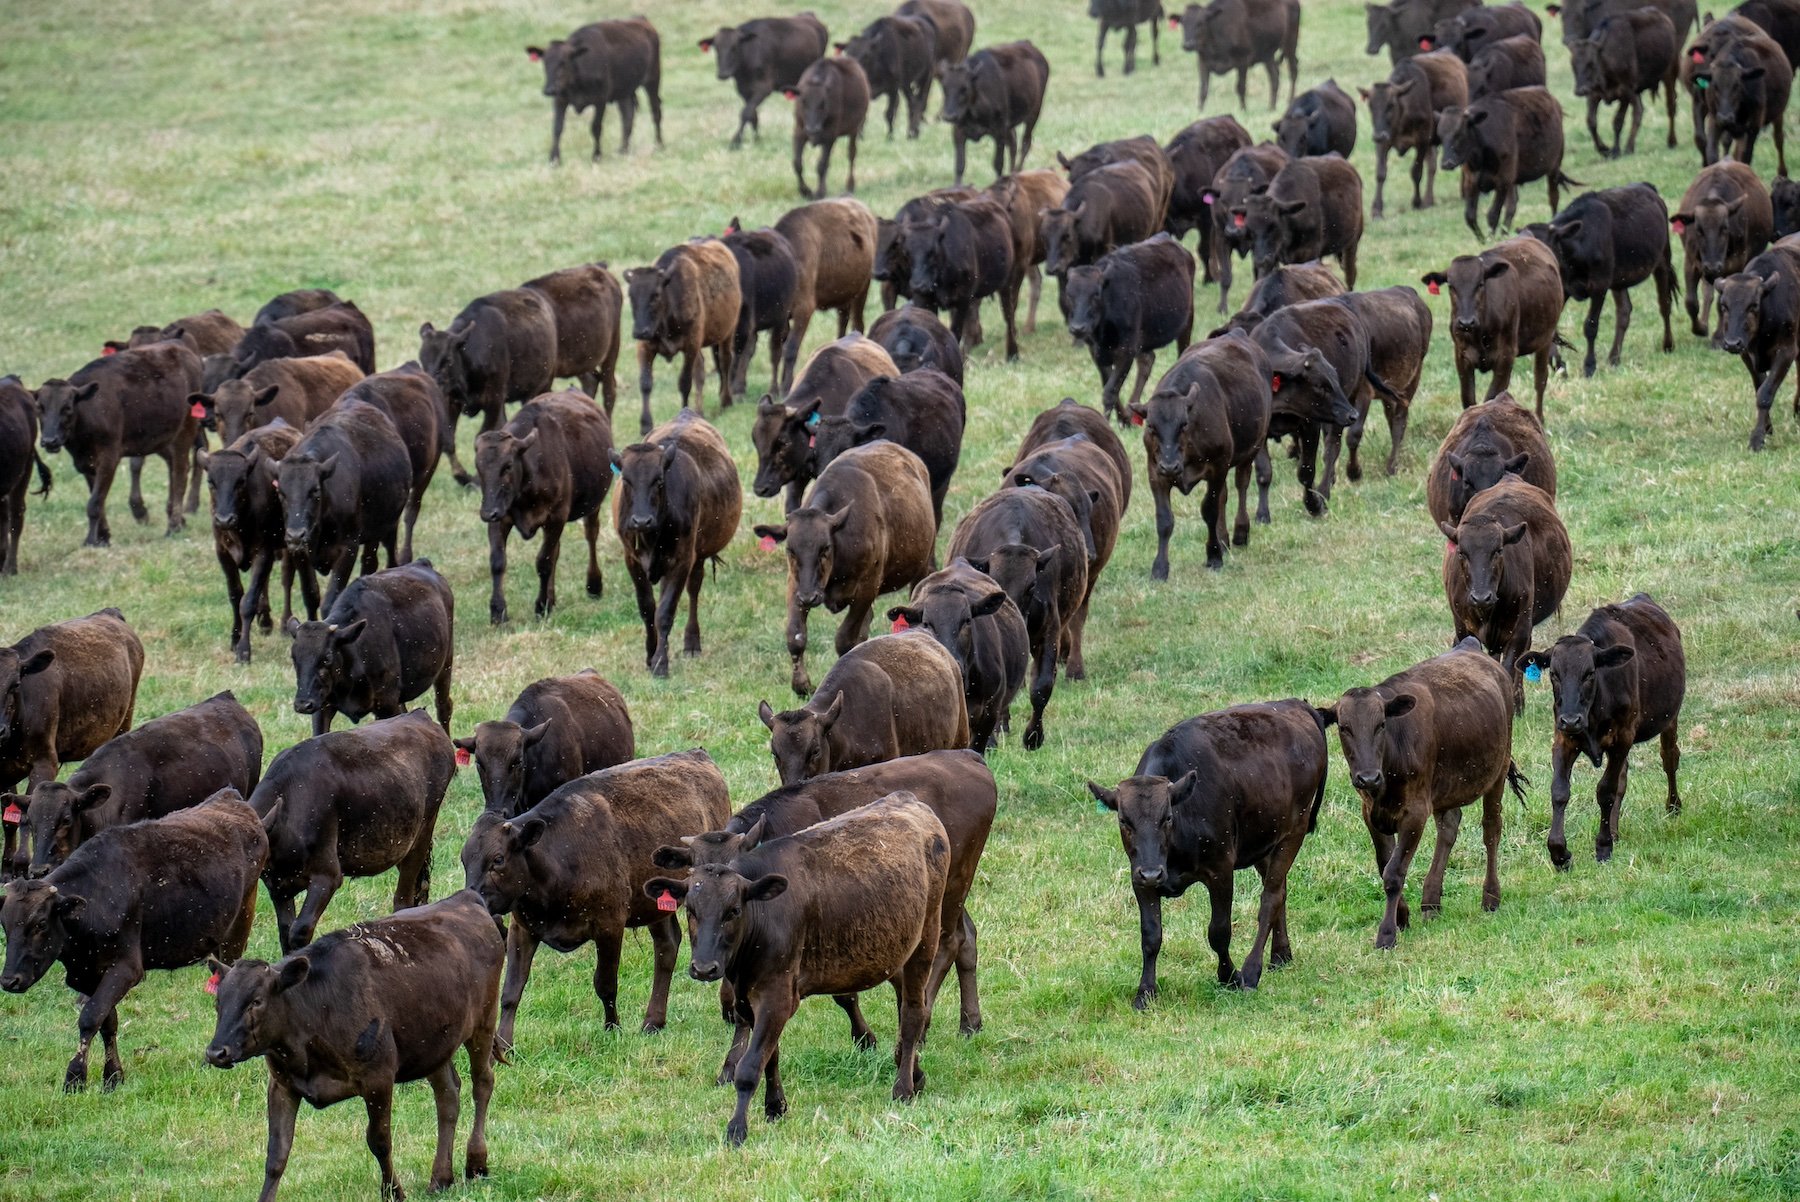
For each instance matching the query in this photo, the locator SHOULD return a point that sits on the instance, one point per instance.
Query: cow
(161, 894)
(1289, 284)
(1235, 35)
(1506, 568)
(247, 531)
(1611, 241)
(1724, 219)
(1109, 207)
(784, 433)
(362, 1010)
(1320, 120)
(291, 390)
(1398, 27)
(1028, 541)
(501, 350)
(1426, 742)
(1245, 173)
(1749, 82)
(1580, 16)
(549, 466)
(65, 689)
(1142, 150)
(893, 266)
(997, 93)
(571, 870)
(1515, 62)
(1399, 325)
(1070, 419)
(1489, 441)
(18, 454)
(1136, 300)
(1208, 418)
(352, 803)
(293, 303)
(962, 252)
(1322, 380)
(1759, 321)
(865, 529)
(1195, 157)
(337, 326)
(834, 250)
(1469, 31)
(387, 638)
(915, 339)
(899, 694)
(607, 62)
(1126, 15)
(684, 304)
(1784, 195)
(1618, 681)
(896, 55)
(1023, 196)
(559, 728)
(960, 790)
(1312, 208)
(764, 55)
(588, 305)
(1234, 788)
(922, 410)
(1403, 112)
(1504, 141)
(344, 486)
(169, 763)
(125, 406)
(952, 26)
(1625, 56)
(413, 402)
(768, 280)
(984, 632)
(880, 871)
(1504, 303)
(210, 333)
(677, 505)
(1779, 18)
(831, 101)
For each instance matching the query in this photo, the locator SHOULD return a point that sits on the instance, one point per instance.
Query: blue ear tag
(1099, 806)
(812, 419)
(615, 468)
(1533, 673)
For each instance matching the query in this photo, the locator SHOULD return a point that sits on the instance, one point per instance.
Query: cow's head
(1363, 717)
(1304, 384)
(1575, 664)
(53, 815)
(252, 1015)
(652, 303)
(302, 482)
(949, 611)
(1706, 231)
(503, 464)
(1478, 566)
(819, 103)
(800, 740)
(1268, 224)
(14, 668)
(783, 438)
(1458, 133)
(59, 410)
(1382, 27)
(1478, 468)
(959, 91)
(37, 918)
(1741, 299)
(444, 354)
(810, 535)
(643, 469)
(1058, 227)
(730, 49)
(497, 857)
(232, 475)
(321, 654)
(1023, 571)
(1082, 295)
(1472, 280)
(1148, 807)
(232, 408)
(498, 749)
(720, 904)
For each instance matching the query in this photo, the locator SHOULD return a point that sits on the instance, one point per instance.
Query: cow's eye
(496, 862)
(732, 913)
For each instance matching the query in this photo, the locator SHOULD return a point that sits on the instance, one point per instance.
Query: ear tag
(667, 903)
(900, 624)
(767, 542)
(1432, 287)
(212, 984)
(198, 411)
(615, 468)
(1699, 56)
(1275, 383)
(812, 441)
(1702, 83)
(1237, 220)
(1137, 419)
(1425, 43)
(107, 352)
(462, 757)
(812, 419)
(1680, 225)
(1455, 475)
(1099, 806)
(1533, 673)
(13, 815)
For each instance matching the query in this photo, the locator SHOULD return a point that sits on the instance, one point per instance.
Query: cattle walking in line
(1488, 441)
(1504, 304)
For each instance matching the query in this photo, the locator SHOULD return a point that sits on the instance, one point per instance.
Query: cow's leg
(1165, 524)
(1240, 528)
(607, 946)
(1334, 446)
(1265, 476)
(1593, 124)
(1397, 415)
(100, 479)
(556, 128)
(1621, 323)
(668, 597)
(446, 1094)
(1431, 170)
(242, 616)
(1274, 70)
(521, 948)
(1765, 394)
(915, 1014)
(646, 379)
(1212, 511)
(969, 1021)
(772, 1007)
(498, 533)
(1471, 205)
(690, 381)
(1637, 121)
(96, 1015)
(1664, 276)
(309, 588)
(1431, 897)
(1381, 174)
(653, 93)
(283, 905)
(379, 1103)
(1269, 914)
(741, 1019)
(1490, 840)
(140, 513)
(646, 603)
(893, 109)
(1780, 150)
(1669, 91)
(1540, 378)
(1590, 329)
(1075, 667)
(480, 1048)
(1703, 325)
(850, 179)
(1218, 925)
(596, 586)
(597, 125)
(177, 460)
(340, 575)
(1393, 875)
(1225, 255)
(283, 1105)
(690, 642)
(1205, 81)
(802, 318)
(665, 936)
(1100, 52)
(320, 887)
(1308, 469)
(1505, 200)
(1671, 760)
(1691, 285)
(548, 555)
(412, 884)
(777, 348)
(627, 118)
(1036, 286)
(1609, 796)
(1150, 937)
(824, 168)
(960, 142)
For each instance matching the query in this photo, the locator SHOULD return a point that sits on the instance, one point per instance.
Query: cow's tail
(1517, 780)
(1563, 181)
(1382, 386)
(1312, 819)
(43, 471)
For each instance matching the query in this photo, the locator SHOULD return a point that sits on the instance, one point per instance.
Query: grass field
(1627, 1031)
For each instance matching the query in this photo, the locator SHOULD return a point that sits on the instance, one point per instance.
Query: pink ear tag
(1699, 56)
(667, 902)
(212, 984)
(108, 351)
(198, 411)
(1432, 287)
(462, 757)
(1237, 219)
(1137, 419)
(767, 542)
(812, 440)
(900, 624)
(1679, 224)
(1274, 383)
(13, 815)
(533, 55)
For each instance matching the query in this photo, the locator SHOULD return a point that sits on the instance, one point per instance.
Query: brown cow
(1725, 219)
(1143, 150)
(1504, 140)
(684, 304)
(831, 101)
(210, 333)
(1289, 284)
(1488, 441)
(292, 390)
(834, 251)
(589, 306)
(1195, 156)
(1403, 112)
(560, 728)
(1069, 418)
(1399, 325)
(981, 627)
(1235, 35)
(1024, 195)
(415, 404)
(784, 431)
(18, 455)
(247, 532)
(1504, 303)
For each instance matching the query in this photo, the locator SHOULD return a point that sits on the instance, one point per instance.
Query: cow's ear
(327, 466)
(294, 970)
(1106, 797)
(1755, 73)
(1536, 659)
(1183, 789)
(833, 712)
(1047, 555)
(1290, 207)
(1514, 533)
(527, 833)
(804, 413)
(872, 431)
(777, 533)
(534, 53)
(1612, 657)
(1364, 91)
(577, 50)
(534, 733)
(350, 633)
(90, 797)
(672, 857)
(427, 330)
(617, 460)
(1327, 715)
(656, 886)
(1731, 206)
(1449, 532)
(1682, 220)
(766, 888)
(911, 615)
(1476, 116)
(989, 605)
(1496, 269)
(467, 744)
(836, 520)
(70, 906)
(1401, 705)
(755, 835)
(217, 967)
(980, 565)
(1434, 279)
(266, 396)
(766, 714)
(85, 392)
(37, 663)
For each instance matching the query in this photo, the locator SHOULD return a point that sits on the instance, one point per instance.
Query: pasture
(1623, 1031)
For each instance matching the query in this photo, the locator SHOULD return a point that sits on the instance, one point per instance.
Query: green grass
(1626, 1031)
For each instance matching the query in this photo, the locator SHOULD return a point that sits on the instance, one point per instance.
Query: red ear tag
(1137, 419)
(198, 411)
(106, 352)
(1237, 219)
(212, 984)
(767, 543)
(1680, 225)
(1699, 56)
(900, 624)
(13, 815)
(1432, 287)
(1424, 43)
(1455, 475)
(667, 902)
(1275, 383)
(462, 757)
(533, 55)
(789, 94)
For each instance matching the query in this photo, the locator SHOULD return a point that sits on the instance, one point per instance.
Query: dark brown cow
(151, 895)
(831, 101)
(352, 803)
(389, 637)
(764, 55)
(1505, 140)
(247, 532)
(1504, 303)
(336, 326)
(1759, 321)
(1235, 35)
(1515, 62)
(893, 264)
(294, 302)
(971, 616)
(1235, 788)
(1625, 56)
(1608, 242)
(784, 433)
(1028, 541)
(291, 390)
(1196, 155)
(1312, 208)
(605, 63)
(834, 252)
(210, 333)
(125, 406)
(881, 869)
(768, 279)
(365, 1009)
(414, 403)
(1467, 32)
(992, 94)
(1109, 207)
(1246, 172)
(865, 529)
(571, 870)
(1289, 284)
(1143, 150)
(677, 505)
(344, 487)
(1403, 112)
(1320, 120)
(1209, 417)
(560, 728)
(1580, 16)
(588, 304)
(1506, 568)
(1068, 419)
(1136, 300)
(1488, 441)
(169, 763)
(961, 252)
(18, 454)
(914, 338)
(1748, 80)
(1399, 325)
(897, 55)
(952, 24)
(922, 410)
(1024, 195)
(1126, 15)
(1422, 744)
(1617, 681)
(685, 303)
(1398, 27)
(1724, 220)
(549, 466)
(900, 694)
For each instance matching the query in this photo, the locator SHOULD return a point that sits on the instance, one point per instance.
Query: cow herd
(857, 870)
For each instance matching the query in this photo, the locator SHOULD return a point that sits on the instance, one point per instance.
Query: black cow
(344, 486)
(601, 64)
(18, 453)
(1320, 120)
(991, 95)
(914, 338)
(1403, 112)
(768, 279)
(1469, 31)
(338, 326)
(1759, 321)
(1504, 303)
(982, 629)
(1289, 284)
(1399, 325)
(1611, 241)
(388, 638)
(1625, 56)
(1126, 15)
(1312, 208)
(897, 55)
(500, 350)
(247, 531)
(1487, 442)
(1399, 27)
(1246, 172)
(1235, 35)
(1132, 303)
(1784, 195)
(1749, 83)
(413, 402)
(831, 101)
(1515, 62)
(560, 728)
(922, 410)
(765, 55)
(1196, 155)
(1322, 380)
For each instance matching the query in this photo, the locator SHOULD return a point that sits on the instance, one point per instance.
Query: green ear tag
(1099, 806)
